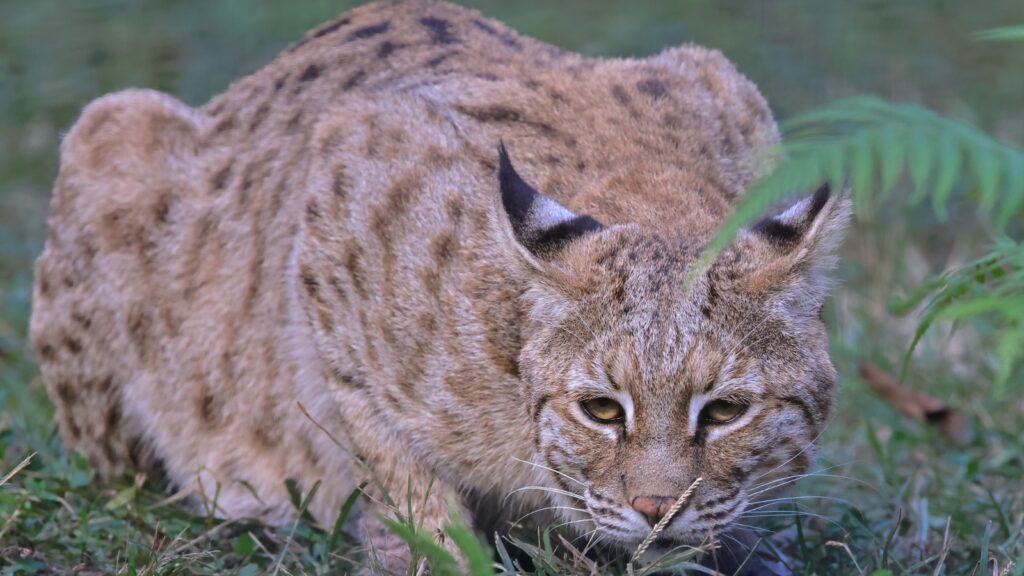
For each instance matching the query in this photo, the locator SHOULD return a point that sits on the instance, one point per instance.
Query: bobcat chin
(421, 251)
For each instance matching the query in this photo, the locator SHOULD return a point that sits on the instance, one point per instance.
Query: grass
(889, 496)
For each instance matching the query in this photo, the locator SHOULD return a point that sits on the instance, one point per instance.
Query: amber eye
(721, 412)
(603, 410)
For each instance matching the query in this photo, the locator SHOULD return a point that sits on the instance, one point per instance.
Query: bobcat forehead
(426, 237)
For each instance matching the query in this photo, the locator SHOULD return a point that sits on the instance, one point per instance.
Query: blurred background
(909, 494)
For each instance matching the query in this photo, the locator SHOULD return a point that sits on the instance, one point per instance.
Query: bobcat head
(637, 386)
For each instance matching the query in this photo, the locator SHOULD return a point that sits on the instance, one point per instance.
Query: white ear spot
(546, 213)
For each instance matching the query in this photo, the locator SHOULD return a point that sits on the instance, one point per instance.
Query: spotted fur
(436, 236)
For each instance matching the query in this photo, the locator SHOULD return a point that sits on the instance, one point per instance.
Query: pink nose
(653, 508)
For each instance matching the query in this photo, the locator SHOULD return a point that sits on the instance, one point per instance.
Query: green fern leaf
(1013, 192)
(1006, 33)
(890, 153)
(861, 172)
(985, 165)
(947, 173)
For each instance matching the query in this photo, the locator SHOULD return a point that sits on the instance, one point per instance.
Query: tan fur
(329, 232)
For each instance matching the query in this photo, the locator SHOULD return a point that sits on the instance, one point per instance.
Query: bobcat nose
(653, 508)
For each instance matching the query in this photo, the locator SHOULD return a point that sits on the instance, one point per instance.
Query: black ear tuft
(540, 224)
(787, 229)
(516, 195)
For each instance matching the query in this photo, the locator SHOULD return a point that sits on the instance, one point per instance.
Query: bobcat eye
(721, 412)
(603, 410)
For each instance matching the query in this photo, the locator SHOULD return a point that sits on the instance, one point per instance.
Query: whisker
(756, 486)
(817, 475)
(542, 467)
(736, 347)
(776, 501)
(794, 456)
(584, 323)
(795, 513)
(572, 495)
(573, 334)
(751, 527)
(539, 510)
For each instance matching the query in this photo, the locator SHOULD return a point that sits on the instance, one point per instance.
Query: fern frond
(874, 143)
(990, 286)
(1005, 33)
(869, 144)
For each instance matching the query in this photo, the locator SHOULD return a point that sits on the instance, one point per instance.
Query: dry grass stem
(17, 468)
(683, 499)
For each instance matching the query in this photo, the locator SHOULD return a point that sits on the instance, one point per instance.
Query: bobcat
(421, 253)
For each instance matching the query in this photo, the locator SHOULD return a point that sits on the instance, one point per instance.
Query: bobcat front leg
(419, 500)
(398, 487)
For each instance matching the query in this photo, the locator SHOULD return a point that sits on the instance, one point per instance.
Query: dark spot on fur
(72, 344)
(437, 60)
(348, 380)
(332, 27)
(224, 125)
(73, 429)
(220, 179)
(440, 30)
(162, 207)
(368, 31)
(340, 185)
(506, 39)
(454, 208)
(310, 73)
(352, 262)
(538, 406)
(113, 417)
(280, 82)
(388, 215)
(339, 290)
(310, 282)
(621, 95)
(431, 279)
(219, 107)
(82, 320)
(503, 114)
(66, 392)
(354, 80)
(207, 411)
(387, 48)
(443, 247)
(266, 434)
(259, 116)
(312, 211)
(46, 352)
(652, 87)
(139, 324)
(295, 119)
(485, 27)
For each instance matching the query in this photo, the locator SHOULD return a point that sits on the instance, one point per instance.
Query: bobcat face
(639, 387)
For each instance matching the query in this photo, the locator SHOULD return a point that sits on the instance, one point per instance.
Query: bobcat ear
(794, 226)
(539, 224)
(791, 253)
